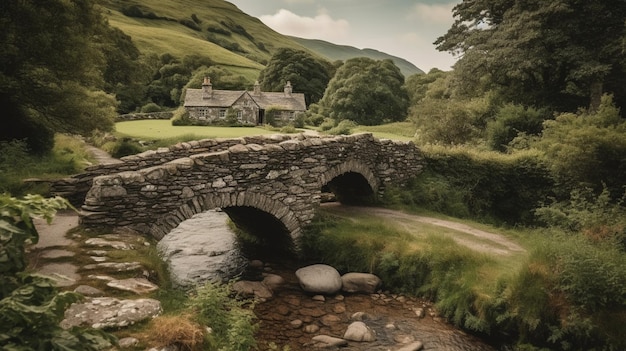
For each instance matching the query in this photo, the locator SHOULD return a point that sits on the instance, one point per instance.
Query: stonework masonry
(281, 175)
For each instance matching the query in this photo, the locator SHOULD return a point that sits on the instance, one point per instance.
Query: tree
(562, 54)
(367, 92)
(51, 60)
(306, 73)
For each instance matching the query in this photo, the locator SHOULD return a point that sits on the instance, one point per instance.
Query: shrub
(125, 147)
(150, 108)
(231, 320)
(344, 127)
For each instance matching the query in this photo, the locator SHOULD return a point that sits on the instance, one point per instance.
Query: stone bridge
(265, 184)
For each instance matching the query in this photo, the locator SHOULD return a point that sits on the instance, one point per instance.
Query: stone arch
(351, 166)
(205, 202)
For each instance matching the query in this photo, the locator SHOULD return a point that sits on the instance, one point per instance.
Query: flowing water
(204, 248)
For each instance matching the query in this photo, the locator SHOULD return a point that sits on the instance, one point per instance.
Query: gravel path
(478, 240)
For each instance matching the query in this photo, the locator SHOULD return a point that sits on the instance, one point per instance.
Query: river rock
(87, 290)
(416, 346)
(360, 283)
(108, 312)
(319, 279)
(273, 281)
(127, 343)
(250, 288)
(99, 242)
(138, 286)
(329, 341)
(359, 331)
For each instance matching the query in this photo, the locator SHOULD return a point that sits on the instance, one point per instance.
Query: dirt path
(101, 156)
(475, 239)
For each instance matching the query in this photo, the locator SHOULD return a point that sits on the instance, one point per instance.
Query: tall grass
(69, 156)
(565, 293)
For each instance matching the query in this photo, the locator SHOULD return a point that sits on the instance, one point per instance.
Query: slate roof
(226, 98)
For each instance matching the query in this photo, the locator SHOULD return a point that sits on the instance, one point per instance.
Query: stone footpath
(315, 307)
(85, 265)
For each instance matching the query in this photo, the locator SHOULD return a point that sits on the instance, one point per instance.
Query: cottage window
(222, 113)
(239, 115)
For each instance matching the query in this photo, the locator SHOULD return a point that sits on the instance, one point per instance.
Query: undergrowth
(567, 293)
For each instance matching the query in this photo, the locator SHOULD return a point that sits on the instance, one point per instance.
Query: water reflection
(202, 248)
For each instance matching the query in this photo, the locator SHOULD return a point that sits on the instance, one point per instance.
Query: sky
(403, 28)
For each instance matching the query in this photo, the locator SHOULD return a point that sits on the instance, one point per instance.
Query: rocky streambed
(303, 320)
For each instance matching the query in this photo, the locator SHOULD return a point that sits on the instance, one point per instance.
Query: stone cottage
(211, 105)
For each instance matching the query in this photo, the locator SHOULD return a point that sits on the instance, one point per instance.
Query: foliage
(443, 117)
(566, 293)
(488, 185)
(564, 54)
(18, 163)
(587, 149)
(344, 127)
(307, 74)
(511, 121)
(125, 147)
(367, 92)
(230, 320)
(51, 74)
(596, 216)
(31, 308)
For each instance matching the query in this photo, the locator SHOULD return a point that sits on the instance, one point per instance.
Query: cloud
(435, 13)
(322, 26)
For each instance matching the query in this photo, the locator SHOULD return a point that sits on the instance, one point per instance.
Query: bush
(150, 108)
(344, 127)
(231, 320)
(491, 186)
(125, 147)
(511, 121)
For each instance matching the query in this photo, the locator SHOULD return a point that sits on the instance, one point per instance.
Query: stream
(204, 248)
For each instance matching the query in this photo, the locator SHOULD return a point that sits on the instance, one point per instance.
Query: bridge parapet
(284, 179)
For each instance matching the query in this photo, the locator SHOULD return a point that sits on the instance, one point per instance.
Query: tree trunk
(596, 95)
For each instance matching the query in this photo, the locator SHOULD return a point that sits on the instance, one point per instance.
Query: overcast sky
(403, 28)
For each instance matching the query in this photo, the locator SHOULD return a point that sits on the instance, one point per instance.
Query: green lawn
(163, 129)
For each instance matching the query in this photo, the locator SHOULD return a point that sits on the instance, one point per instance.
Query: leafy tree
(306, 73)
(51, 59)
(511, 121)
(31, 307)
(562, 53)
(367, 92)
(587, 149)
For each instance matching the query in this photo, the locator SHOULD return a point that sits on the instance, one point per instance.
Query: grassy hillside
(219, 30)
(334, 52)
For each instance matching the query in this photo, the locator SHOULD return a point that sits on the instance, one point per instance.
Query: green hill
(219, 30)
(334, 52)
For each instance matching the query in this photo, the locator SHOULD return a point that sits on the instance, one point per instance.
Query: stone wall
(283, 178)
(146, 115)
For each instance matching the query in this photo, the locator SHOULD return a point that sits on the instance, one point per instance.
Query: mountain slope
(216, 29)
(334, 52)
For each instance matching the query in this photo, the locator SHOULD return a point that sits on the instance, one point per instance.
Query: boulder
(273, 281)
(319, 279)
(108, 312)
(360, 283)
(359, 331)
(250, 288)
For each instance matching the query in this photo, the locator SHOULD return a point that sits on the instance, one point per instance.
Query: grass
(163, 129)
(68, 156)
(402, 131)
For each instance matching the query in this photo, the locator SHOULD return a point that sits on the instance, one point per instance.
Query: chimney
(288, 88)
(257, 88)
(207, 88)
